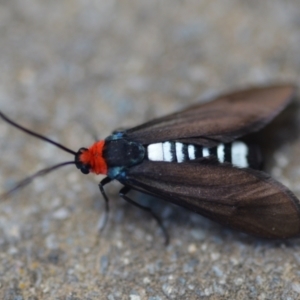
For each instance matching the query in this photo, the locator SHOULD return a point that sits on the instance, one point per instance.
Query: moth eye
(85, 169)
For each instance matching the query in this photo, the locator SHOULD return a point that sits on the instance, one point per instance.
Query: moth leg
(102, 183)
(123, 193)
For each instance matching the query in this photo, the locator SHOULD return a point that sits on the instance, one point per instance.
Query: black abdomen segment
(238, 153)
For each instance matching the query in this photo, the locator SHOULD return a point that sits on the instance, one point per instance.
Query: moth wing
(223, 120)
(243, 199)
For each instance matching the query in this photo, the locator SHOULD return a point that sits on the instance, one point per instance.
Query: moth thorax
(123, 153)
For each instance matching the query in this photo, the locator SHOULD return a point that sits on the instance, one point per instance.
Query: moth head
(91, 159)
(83, 167)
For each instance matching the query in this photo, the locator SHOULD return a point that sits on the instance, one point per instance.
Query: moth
(195, 159)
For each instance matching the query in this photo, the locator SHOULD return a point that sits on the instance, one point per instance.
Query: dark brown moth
(194, 159)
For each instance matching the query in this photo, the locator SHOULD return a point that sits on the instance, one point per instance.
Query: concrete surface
(69, 69)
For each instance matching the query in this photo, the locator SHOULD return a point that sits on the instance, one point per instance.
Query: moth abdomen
(238, 153)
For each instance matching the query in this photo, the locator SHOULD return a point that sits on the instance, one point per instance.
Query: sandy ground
(75, 69)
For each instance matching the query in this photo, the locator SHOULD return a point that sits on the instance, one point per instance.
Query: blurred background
(71, 69)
